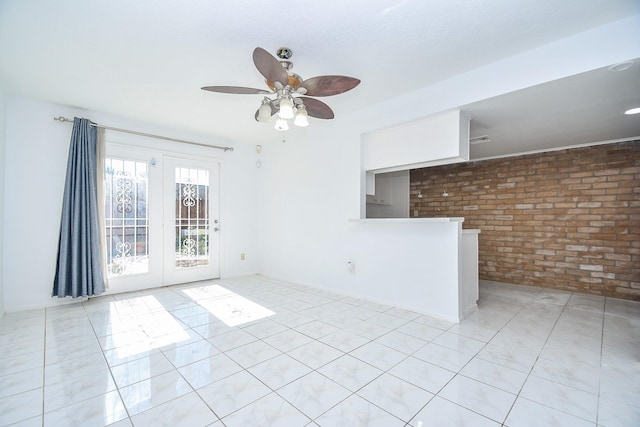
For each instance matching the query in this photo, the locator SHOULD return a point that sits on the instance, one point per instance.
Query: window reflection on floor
(154, 326)
(231, 308)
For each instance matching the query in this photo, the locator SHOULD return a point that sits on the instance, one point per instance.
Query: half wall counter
(427, 265)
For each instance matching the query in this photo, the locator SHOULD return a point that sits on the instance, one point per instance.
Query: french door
(191, 227)
(161, 218)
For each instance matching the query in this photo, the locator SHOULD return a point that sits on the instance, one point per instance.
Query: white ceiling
(147, 59)
(585, 108)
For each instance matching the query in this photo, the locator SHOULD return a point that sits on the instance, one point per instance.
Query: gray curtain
(79, 271)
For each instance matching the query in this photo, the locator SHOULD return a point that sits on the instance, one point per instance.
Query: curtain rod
(149, 135)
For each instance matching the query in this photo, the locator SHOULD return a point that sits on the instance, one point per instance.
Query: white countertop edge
(470, 231)
(405, 220)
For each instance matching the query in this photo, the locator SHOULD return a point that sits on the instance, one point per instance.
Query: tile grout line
(562, 324)
(538, 357)
(316, 370)
(503, 423)
(108, 366)
(290, 328)
(604, 311)
(478, 352)
(44, 365)
(408, 321)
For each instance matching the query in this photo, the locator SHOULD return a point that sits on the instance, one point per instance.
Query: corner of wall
(2, 180)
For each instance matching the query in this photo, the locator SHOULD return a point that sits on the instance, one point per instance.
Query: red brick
(545, 216)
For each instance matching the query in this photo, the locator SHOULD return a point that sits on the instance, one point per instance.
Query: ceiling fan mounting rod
(284, 54)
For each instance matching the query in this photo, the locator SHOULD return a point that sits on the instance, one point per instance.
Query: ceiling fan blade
(317, 109)
(269, 66)
(329, 85)
(236, 90)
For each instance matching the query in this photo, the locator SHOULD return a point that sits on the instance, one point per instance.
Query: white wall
(35, 163)
(311, 187)
(2, 202)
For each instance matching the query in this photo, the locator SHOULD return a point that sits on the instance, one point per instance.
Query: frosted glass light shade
(286, 108)
(281, 124)
(264, 113)
(302, 118)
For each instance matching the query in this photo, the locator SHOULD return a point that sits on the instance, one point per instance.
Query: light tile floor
(290, 355)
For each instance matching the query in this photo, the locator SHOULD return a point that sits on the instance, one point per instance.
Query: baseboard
(54, 302)
(366, 298)
(469, 311)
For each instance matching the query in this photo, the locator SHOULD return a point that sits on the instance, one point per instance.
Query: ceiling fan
(289, 88)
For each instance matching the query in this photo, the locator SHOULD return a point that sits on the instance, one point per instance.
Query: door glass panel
(127, 224)
(192, 217)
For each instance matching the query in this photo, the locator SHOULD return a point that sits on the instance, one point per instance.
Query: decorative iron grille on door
(192, 217)
(126, 220)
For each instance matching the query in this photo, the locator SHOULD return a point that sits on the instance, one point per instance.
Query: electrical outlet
(416, 212)
(242, 256)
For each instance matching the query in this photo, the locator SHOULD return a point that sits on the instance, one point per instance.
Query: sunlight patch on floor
(155, 328)
(231, 308)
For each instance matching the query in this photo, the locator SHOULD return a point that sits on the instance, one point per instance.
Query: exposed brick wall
(565, 219)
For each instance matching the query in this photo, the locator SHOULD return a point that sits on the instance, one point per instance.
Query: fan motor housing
(294, 82)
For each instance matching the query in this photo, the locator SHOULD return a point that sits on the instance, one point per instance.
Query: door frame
(171, 274)
(156, 165)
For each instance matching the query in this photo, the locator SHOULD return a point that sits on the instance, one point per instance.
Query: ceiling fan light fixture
(302, 117)
(281, 124)
(286, 108)
(264, 112)
(289, 96)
